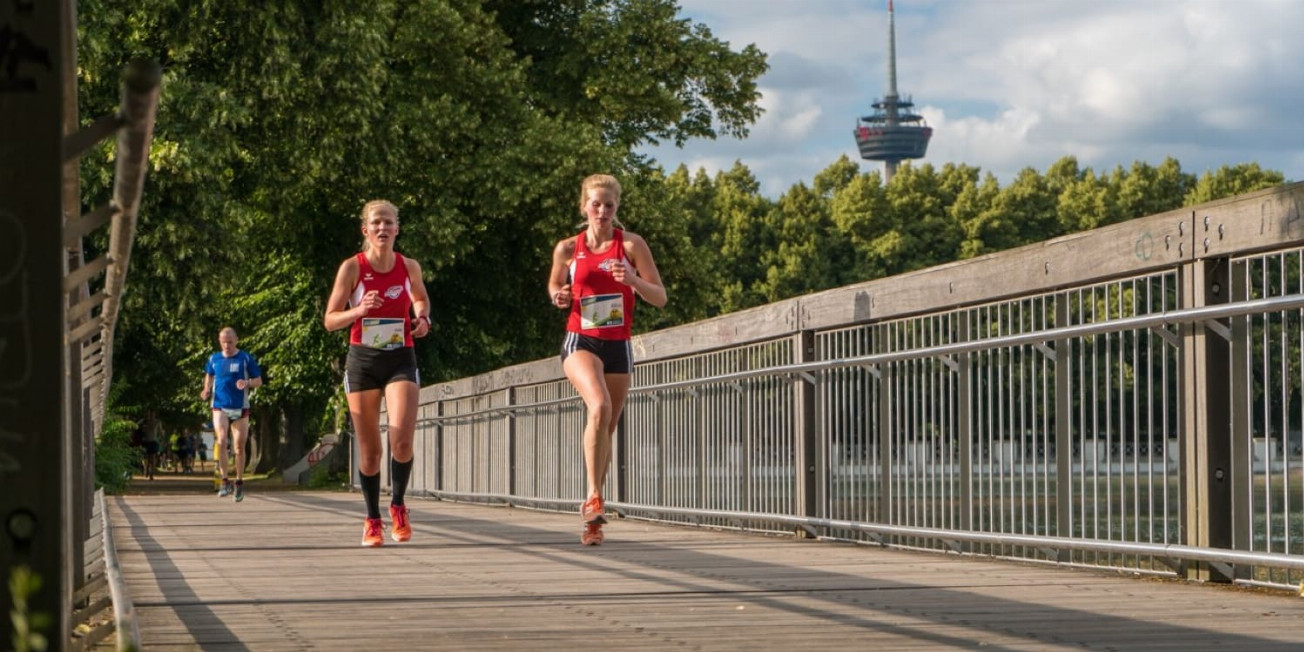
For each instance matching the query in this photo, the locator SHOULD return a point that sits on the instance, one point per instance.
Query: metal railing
(104, 578)
(92, 316)
(1126, 398)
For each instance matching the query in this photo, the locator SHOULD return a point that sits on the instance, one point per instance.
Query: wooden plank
(485, 578)
(1133, 247)
(1271, 218)
(766, 322)
(539, 371)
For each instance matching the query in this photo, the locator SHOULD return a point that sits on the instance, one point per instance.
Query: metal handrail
(140, 95)
(1159, 319)
(134, 125)
(124, 612)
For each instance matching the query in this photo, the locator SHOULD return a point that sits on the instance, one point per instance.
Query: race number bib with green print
(602, 311)
(382, 333)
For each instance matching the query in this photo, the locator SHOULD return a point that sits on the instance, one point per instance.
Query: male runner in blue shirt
(229, 374)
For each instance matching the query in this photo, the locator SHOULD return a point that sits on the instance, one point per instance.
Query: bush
(324, 477)
(28, 626)
(115, 459)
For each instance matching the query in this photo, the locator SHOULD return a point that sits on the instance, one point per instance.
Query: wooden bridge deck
(283, 571)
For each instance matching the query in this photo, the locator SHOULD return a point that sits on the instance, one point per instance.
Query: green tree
(1229, 181)
(834, 178)
(1029, 202)
(1148, 190)
(919, 202)
(810, 255)
(691, 265)
(278, 121)
(985, 230)
(860, 213)
(1087, 203)
(632, 67)
(1061, 174)
(745, 232)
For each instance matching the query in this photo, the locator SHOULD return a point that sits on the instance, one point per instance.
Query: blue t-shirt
(225, 371)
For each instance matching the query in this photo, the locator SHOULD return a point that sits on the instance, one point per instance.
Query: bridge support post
(884, 404)
(437, 455)
(81, 429)
(35, 436)
(1242, 518)
(1206, 454)
(810, 469)
(620, 457)
(965, 430)
(511, 441)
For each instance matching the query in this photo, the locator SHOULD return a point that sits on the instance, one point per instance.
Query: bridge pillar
(620, 463)
(884, 406)
(1206, 454)
(965, 438)
(810, 469)
(511, 441)
(1242, 517)
(34, 430)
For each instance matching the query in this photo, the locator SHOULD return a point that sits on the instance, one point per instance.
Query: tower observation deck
(893, 132)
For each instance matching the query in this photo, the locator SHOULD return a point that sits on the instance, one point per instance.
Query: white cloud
(1019, 83)
(1003, 142)
(788, 117)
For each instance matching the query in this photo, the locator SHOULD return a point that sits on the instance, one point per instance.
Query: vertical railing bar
(1284, 400)
(1288, 544)
(965, 437)
(1134, 388)
(1150, 340)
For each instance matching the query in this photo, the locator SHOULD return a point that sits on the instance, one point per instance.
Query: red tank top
(601, 306)
(390, 325)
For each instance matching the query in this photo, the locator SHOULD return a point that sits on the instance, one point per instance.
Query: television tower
(893, 132)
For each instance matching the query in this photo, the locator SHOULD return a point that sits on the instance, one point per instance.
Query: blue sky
(1009, 84)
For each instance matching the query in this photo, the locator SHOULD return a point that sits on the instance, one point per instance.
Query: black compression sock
(399, 474)
(371, 493)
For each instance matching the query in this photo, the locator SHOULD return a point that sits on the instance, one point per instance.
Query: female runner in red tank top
(596, 275)
(380, 297)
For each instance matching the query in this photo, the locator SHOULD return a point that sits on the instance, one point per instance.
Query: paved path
(283, 571)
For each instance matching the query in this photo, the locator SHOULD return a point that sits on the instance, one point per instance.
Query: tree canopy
(279, 120)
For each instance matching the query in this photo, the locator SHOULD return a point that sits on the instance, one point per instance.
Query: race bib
(602, 311)
(382, 333)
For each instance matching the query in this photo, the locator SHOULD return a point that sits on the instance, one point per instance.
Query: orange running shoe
(400, 528)
(592, 511)
(373, 533)
(592, 535)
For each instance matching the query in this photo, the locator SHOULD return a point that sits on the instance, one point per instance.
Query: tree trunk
(292, 435)
(262, 440)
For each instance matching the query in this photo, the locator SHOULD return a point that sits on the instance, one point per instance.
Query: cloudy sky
(1009, 84)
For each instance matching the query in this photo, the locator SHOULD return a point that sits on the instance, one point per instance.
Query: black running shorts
(616, 355)
(368, 368)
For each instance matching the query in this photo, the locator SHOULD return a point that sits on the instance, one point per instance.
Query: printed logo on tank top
(393, 292)
(367, 276)
(607, 264)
